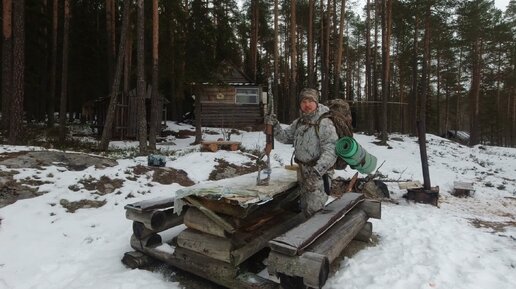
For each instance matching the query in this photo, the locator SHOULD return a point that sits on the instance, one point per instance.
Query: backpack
(340, 115)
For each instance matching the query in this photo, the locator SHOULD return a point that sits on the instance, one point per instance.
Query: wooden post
(421, 130)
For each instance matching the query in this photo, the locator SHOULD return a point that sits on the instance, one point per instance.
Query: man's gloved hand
(271, 119)
(310, 172)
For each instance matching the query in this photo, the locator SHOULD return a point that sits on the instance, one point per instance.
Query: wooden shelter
(125, 125)
(234, 101)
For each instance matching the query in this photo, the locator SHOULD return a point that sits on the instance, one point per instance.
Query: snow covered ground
(464, 243)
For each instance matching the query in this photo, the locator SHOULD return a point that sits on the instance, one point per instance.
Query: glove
(310, 172)
(271, 119)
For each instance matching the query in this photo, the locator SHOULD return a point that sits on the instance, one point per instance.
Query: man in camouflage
(314, 148)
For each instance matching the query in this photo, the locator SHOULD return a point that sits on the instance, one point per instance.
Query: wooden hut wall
(219, 94)
(219, 109)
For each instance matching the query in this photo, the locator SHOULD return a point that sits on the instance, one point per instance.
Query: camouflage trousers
(311, 192)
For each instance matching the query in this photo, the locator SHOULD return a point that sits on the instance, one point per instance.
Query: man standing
(314, 149)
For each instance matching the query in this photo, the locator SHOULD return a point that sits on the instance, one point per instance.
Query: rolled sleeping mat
(368, 165)
(346, 147)
(355, 155)
(350, 150)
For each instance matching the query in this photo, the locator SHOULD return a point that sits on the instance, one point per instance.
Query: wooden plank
(333, 242)
(196, 220)
(231, 114)
(210, 214)
(294, 241)
(209, 245)
(242, 214)
(261, 237)
(188, 260)
(240, 195)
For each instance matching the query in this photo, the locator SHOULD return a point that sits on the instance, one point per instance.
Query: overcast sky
(501, 4)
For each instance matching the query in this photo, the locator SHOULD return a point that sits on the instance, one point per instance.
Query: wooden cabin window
(247, 95)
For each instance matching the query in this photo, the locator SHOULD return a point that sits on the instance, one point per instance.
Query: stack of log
(220, 236)
(302, 256)
(228, 238)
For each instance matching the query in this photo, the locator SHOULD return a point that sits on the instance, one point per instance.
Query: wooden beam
(294, 241)
(195, 219)
(214, 270)
(210, 214)
(209, 245)
(373, 208)
(312, 263)
(365, 233)
(261, 237)
(312, 267)
(333, 242)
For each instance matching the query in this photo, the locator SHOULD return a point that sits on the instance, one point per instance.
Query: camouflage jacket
(311, 146)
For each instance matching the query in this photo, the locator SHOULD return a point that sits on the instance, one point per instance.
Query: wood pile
(214, 146)
(228, 229)
(221, 232)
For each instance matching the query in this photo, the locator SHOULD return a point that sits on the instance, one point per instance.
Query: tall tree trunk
(458, 112)
(310, 53)
(197, 91)
(425, 70)
(18, 78)
(438, 96)
(126, 84)
(293, 59)
(41, 104)
(276, 52)
(386, 55)
(368, 95)
(325, 75)
(140, 77)
(474, 94)
(414, 95)
(64, 77)
(111, 111)
(339, 52)
(53, 65)
(499, 108)
(110, 33)
(7, 61)
(156, 110)
(376, 115)
(253, 45)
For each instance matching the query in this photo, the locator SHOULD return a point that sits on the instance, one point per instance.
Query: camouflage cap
(309, 93)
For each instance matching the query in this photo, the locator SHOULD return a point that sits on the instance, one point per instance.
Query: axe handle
(269, 138)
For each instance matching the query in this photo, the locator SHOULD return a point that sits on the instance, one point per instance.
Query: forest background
(448, 64)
